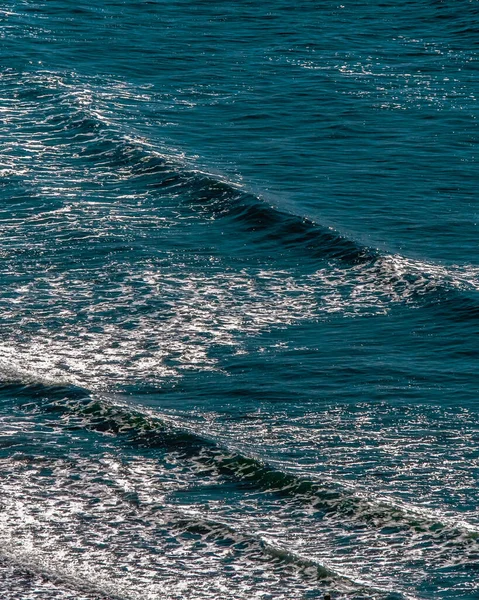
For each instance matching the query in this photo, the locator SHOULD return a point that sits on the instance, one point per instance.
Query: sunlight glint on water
(239, 305)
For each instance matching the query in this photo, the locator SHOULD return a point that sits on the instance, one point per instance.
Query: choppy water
(239, 300)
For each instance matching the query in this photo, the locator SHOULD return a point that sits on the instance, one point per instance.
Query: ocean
(239, 306)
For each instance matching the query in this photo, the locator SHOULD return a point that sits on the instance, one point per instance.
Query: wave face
(240, 301)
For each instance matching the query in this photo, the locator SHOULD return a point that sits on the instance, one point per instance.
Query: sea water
(239, 299)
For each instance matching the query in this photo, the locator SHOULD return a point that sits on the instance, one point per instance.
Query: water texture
(239, 305)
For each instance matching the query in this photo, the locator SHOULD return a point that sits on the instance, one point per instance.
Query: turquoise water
(240, 300)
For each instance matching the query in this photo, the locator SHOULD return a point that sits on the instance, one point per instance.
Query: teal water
(239, 300)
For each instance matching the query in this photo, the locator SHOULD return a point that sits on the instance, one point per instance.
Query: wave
(365, 275)
(77, 410)
(318, 504)
(254, 548)
(65, 110)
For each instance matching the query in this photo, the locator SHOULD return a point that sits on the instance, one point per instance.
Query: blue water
(239, 304)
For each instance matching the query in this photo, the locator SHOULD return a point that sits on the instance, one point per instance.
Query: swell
(214, 198)
(68, 114)
(75, 409)
(261, 229)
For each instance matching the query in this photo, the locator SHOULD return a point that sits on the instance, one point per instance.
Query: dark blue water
(239, 305)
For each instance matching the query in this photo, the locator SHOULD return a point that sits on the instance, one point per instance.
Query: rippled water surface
(239, 300)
